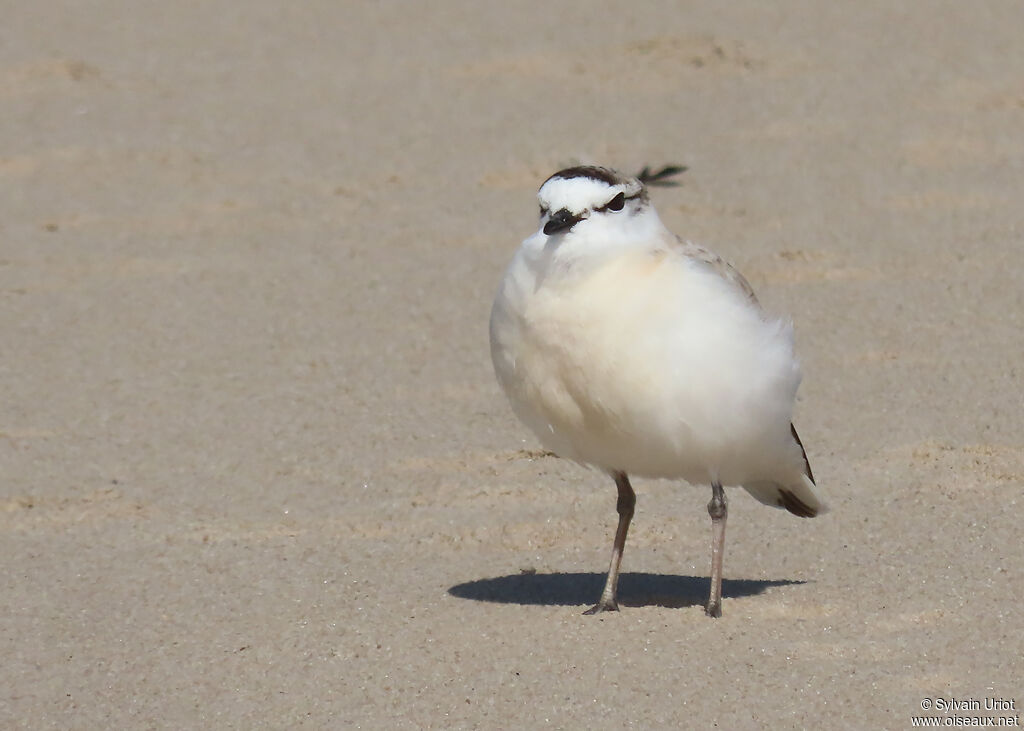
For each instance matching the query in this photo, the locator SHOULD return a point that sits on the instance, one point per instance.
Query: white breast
(648, 363)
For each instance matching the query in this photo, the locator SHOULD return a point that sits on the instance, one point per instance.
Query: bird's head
(586, 211)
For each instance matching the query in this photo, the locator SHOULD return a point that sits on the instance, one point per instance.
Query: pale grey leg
(718, 511)
(624, 506)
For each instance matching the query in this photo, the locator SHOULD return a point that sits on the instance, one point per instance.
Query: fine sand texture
(255, 470)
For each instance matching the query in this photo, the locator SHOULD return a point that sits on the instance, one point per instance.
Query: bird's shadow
(635, 589)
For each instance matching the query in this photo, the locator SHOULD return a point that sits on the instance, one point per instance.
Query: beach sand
(256, 471)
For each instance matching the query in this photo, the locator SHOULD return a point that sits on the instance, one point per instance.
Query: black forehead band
(589, 171)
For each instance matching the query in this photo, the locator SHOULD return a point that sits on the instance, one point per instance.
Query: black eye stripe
(615, 204)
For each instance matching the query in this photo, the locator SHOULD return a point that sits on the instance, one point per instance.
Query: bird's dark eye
(616, 203)
(543, 211)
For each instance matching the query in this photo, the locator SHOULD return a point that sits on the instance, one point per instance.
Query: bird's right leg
(718, 511)
(624, 506)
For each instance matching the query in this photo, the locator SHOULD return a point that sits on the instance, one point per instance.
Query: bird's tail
(796, 495)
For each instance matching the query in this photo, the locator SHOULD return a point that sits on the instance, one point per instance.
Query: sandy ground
(256, 471)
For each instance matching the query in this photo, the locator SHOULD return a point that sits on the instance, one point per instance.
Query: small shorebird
(626, 348)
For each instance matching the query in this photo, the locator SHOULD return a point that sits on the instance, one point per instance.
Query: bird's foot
(603, 606)
(713, 609)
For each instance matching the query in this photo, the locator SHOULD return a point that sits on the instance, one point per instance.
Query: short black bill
(560, 221)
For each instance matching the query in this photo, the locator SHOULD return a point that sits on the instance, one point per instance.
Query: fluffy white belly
(651, 365)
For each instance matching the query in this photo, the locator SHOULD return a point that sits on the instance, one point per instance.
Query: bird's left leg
(718, 511)
(624, 507)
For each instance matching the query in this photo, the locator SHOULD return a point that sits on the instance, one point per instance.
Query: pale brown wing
(720, 266)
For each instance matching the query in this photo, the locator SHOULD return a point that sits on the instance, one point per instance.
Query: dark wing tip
(661, 178)
(807, 462)
(795, 505)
